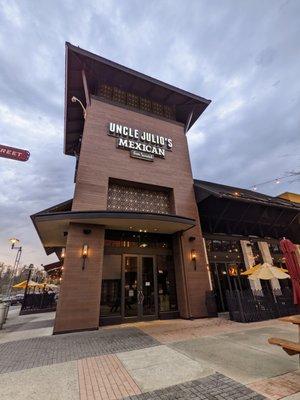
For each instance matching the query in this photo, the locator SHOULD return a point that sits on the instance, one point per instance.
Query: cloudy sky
(244, 55)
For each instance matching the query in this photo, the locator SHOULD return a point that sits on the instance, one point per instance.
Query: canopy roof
(230, 210)
(52, 226)
(99, 70)
(53, 266)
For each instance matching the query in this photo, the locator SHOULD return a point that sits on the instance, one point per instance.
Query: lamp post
(13, 242)
(26, 287)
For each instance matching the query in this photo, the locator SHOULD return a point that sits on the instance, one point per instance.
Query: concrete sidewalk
(176, 359)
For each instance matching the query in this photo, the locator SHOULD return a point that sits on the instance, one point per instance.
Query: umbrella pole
(26, 289)
(273, 294)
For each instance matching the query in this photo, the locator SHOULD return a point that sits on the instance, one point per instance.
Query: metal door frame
(139, 316)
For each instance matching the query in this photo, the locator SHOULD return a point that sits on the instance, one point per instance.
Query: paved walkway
(205, 359)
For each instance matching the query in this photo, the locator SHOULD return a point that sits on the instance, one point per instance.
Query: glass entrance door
(130, 286)
(140, 299)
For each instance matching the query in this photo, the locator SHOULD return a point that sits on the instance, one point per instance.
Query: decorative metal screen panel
(128, 198)
(131, 99)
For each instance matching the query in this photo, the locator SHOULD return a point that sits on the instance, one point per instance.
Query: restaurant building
(141, 239)
(130, 238)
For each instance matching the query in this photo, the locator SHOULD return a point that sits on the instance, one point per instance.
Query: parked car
(20, 297)
(12, 300)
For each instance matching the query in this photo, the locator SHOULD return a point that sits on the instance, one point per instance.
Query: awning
(53, 227)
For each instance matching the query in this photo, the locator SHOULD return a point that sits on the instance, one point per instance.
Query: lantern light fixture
(193, 258)
(193, 255)
(63, 252)
(85, 250)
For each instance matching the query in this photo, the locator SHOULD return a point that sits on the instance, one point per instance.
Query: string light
(277, 180)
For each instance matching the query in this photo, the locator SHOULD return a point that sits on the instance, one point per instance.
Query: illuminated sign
(141, 144)
(13, 153)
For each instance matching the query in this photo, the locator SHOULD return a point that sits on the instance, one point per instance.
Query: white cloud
(12, 13)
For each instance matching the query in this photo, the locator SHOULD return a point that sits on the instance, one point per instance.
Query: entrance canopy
(52, 227)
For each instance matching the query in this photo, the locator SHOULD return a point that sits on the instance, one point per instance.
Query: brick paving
(212, 387)
(180, 330)
(36, 352)
(279, 386)
(105, 378)
(90, 366)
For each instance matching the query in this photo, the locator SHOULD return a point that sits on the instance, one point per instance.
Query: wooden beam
(222, 213)
(86, 88)
(292, 220)
(188, 123)
(277, 219)
(242, 217)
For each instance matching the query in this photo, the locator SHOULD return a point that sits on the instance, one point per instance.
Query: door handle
(140, 296)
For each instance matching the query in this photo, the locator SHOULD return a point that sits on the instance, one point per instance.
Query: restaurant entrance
(138, 278)
(139, 287)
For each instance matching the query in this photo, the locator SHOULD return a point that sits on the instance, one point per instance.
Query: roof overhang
(98, 70)
(53, 227)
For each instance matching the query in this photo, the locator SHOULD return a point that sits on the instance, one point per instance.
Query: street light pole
(13, 242)
(26, 288)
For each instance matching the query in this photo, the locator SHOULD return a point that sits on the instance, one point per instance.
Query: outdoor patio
(201, 359)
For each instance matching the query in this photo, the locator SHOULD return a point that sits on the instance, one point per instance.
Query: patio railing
(38, 302)
(245, 306)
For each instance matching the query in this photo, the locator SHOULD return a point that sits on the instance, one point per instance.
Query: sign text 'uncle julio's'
(141, 144)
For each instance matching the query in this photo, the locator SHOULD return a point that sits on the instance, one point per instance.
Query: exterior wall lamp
(193, 257)
(63, 252)
(84, 254)
(74, 100)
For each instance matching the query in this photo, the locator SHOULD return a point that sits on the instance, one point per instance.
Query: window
(217, 245)
(167, 299)
(111, 286)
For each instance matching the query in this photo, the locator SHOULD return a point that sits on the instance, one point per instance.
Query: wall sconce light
(193, 257)
(63, 252)
(85, 249)
(193, 254)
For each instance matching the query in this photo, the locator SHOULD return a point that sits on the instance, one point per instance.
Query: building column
(192, 277)
(267, 258)
(249, 261)
(79, 298)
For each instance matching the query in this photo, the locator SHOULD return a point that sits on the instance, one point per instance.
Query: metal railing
(245, 306)
(38, 302)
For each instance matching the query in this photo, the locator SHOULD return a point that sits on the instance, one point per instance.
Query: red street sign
(13, 153)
